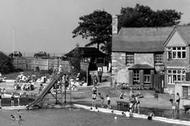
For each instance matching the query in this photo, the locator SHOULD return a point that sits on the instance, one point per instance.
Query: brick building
(140, 54)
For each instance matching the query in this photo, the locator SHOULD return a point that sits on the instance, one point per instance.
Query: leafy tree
(42, 54)
(15, 54)
(144, 16)
(6, 65)
(96, 27)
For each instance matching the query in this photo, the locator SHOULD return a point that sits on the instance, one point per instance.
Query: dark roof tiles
(86, 52)
(140, 39)
(184, 31)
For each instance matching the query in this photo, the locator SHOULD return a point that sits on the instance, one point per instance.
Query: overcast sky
(35, 25)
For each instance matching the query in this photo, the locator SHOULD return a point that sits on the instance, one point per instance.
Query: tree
(6, 65)
(144, 16)
(42, 54)
(96, 27)
(15, 54)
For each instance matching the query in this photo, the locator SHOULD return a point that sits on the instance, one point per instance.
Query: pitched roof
(141, 39)
(86, 52)
(184, 31)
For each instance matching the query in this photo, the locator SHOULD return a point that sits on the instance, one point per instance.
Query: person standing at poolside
(12, 99)
(0, 99)
(94, 79)
(137, 104)
(178, 103)
(177, 100)
(94, 96)
(108, 101)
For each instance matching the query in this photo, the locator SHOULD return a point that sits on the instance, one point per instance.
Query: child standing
(108, 101)
(177, 100)
(0, 99)
(94, 95)
(137, 104)
(12, 99)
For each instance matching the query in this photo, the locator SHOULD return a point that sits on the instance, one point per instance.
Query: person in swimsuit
(108, 101)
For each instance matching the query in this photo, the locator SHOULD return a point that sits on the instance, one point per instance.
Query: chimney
(114, 24)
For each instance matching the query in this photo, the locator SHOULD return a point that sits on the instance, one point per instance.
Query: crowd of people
(105, 100)
(27, 83)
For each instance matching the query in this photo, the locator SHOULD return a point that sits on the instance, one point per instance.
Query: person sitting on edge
(102, 98)
(150, 115)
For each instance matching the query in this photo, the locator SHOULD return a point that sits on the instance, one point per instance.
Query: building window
(136, 77)
(146, 76)
(129, 58)
(174, 75)
(176, 52)
(185, 91)
(158, 58)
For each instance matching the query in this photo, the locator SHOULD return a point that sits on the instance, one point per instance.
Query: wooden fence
(30, 63)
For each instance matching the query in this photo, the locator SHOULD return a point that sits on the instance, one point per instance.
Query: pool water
(73, 117)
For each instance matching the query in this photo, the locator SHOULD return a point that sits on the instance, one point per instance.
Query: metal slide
(45, 91)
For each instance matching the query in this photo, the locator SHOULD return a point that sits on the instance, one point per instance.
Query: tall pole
(65, 93)
(13, 39)
(70, 92)
(56, 92)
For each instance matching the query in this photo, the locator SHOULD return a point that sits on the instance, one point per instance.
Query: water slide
(45, 91)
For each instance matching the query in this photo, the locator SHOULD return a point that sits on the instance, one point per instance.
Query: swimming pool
(73, 117)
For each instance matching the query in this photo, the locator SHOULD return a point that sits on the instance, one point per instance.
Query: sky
(46, 25)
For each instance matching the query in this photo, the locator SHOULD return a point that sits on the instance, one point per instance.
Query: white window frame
(174, 75)
(129, 58)
(158, 58)
(146, 78)
(185, 95)
(176, 52)
(136, 76)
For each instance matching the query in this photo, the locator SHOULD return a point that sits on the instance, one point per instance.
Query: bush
(6, 65)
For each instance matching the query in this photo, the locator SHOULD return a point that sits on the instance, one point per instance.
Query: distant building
(89, 55)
